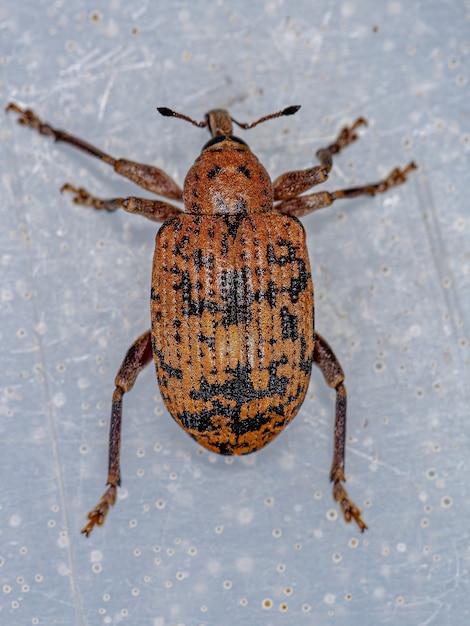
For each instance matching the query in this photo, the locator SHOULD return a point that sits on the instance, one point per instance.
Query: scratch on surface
(377, 463)
(105, 97)
(119, 56)
(440, 258)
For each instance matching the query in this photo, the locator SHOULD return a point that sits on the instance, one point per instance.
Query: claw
(97, 516)
(398, 175)
(30, 119)
(349, 509)
(82, 196)
(347, 136)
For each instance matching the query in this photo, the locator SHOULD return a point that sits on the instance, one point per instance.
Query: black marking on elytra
(305, 363)
(234, 296)
(203, 422)
(282, 259)
(224, 247)
(190, 305)
(239, 388)
(180, 248)
(154, 344)
(201, 260)
(232, 222)
(289, 324)
(196, 227)
(174, 223)
(209, 340)
(269, 294)
(172, 372)
(200, 421)
(294, 397)
(154, 295)
(235, 289)
(298, 283)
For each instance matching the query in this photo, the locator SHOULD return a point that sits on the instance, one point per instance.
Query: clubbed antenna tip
(290, 110)
(165, 111)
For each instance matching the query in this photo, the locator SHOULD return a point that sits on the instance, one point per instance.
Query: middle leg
(155, 210)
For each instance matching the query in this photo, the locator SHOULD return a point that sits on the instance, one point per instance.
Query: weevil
(232, 310)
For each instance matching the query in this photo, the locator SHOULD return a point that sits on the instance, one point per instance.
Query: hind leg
(326, 361)
(137, 357)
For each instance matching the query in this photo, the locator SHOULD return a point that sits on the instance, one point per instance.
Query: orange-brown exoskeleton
(232, 309)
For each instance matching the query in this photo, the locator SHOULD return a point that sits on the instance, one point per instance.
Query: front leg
(146, 176)
(291, 184)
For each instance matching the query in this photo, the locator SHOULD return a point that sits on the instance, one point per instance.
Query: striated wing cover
(232, 326)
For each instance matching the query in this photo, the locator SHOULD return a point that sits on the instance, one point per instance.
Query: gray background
(197, 539)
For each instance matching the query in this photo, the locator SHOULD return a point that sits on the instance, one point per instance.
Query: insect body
(232, 308)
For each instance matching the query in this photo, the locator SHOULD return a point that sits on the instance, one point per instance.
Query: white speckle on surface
(245, 564)
(213, 567)
(15, 521)
(245, 516)
(59, 399)
(63, 569)
(348, 9)
(96, 556)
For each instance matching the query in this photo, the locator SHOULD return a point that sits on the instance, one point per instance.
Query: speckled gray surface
(197, 539)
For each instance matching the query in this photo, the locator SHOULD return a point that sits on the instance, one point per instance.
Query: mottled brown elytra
(232, 308)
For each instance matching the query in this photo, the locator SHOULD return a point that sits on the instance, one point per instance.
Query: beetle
(232, 310)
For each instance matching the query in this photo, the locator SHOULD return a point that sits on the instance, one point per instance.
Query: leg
(137, 357)
(330, 367)
(312, 202)
(291, 184)
(154, 210)
(151, 178)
